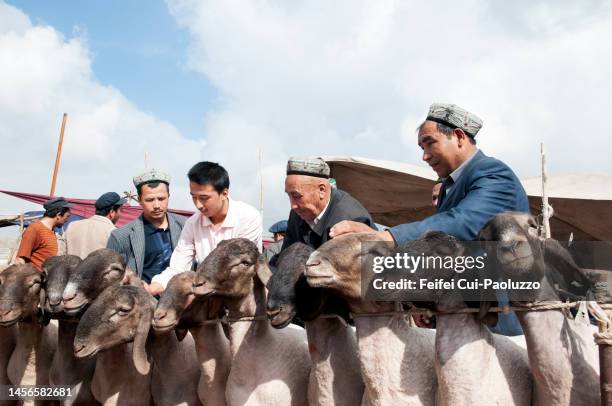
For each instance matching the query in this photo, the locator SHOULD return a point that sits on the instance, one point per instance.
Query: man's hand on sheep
(154, 288)
(349, 227)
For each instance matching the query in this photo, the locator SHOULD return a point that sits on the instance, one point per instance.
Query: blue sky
(220, 80)
(137, 47)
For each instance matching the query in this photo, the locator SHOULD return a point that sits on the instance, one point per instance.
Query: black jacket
(342, 206)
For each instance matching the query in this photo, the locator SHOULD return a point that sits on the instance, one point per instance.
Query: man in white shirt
(218, 218)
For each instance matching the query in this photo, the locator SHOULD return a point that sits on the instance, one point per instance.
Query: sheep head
(178, 307)
(431, 244)
(524, 256)
(98, 270)
(230, 270)
(21, 290)
(57, 270)
(120, 314)
(337, 264)
(286, 283)
(518, 250)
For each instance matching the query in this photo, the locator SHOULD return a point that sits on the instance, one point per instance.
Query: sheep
(335, 378)
(118, 323)
(562, 354)
(269, 366)
(100, 269)
(7, 345)
(65, 368)
(397, 360)
(177, 309)
(473, 366)
(21, 288)
(122, 375)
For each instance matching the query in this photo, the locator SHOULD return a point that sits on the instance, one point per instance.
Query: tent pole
(545, 206)
(260, 186)
(18, 240)
(58, 155)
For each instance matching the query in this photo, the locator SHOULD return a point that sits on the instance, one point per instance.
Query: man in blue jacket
(477, 187)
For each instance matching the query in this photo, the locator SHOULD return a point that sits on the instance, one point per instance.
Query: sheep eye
(123, 312)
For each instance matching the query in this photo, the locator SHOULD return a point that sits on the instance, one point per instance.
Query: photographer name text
(460, 284)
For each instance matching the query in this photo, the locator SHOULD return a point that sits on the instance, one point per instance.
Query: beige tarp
(393, 192)
(396, 193)
(582, 205)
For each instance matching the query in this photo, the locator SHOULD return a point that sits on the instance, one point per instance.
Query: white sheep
(269, 366)
(397, 359)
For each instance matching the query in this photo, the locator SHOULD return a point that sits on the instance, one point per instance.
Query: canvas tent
(84, 208)
(396, 193)
(582, 205)
(393, 192)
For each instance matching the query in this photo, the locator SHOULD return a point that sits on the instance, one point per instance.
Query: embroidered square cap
(455, 117)
(153, 175)
(316, 167)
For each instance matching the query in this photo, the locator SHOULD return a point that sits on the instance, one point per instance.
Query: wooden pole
(260, 185)
(545, 206)
(58, 155)
(18, 240)
(605, 369)
(602, 280)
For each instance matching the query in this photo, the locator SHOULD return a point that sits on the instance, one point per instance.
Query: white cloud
(356, 77)
(43, 75)
(347, 77)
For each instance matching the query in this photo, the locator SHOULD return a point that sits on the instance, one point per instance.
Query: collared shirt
(158, 250)
(199, 237)
(85, 236)
(457, 172)
(313, 223)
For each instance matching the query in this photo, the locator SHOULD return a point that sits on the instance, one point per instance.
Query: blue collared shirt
(158, 250)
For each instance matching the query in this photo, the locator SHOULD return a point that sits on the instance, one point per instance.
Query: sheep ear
(139, 351)
(130, 278)
(214, 308)
(488, 319)
(43, 317)
(180, 333)
(263, 272)
(560, 262)
(43, 290)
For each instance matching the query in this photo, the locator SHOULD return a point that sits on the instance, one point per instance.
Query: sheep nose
(68, 297)
(313, 262)
(159, 315)
(78, 347)
(271, 313)
(54, 301)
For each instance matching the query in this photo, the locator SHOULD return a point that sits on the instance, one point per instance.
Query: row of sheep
(222, 335)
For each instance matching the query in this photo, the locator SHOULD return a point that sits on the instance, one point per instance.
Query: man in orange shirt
(39, 242)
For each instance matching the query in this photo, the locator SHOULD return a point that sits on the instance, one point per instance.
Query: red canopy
(85, 207)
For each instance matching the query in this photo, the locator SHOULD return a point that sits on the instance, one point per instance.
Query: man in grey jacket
(147, 242)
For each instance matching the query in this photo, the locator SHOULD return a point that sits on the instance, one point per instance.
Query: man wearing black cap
(39, 241)
(85, 236)
(278, 230)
